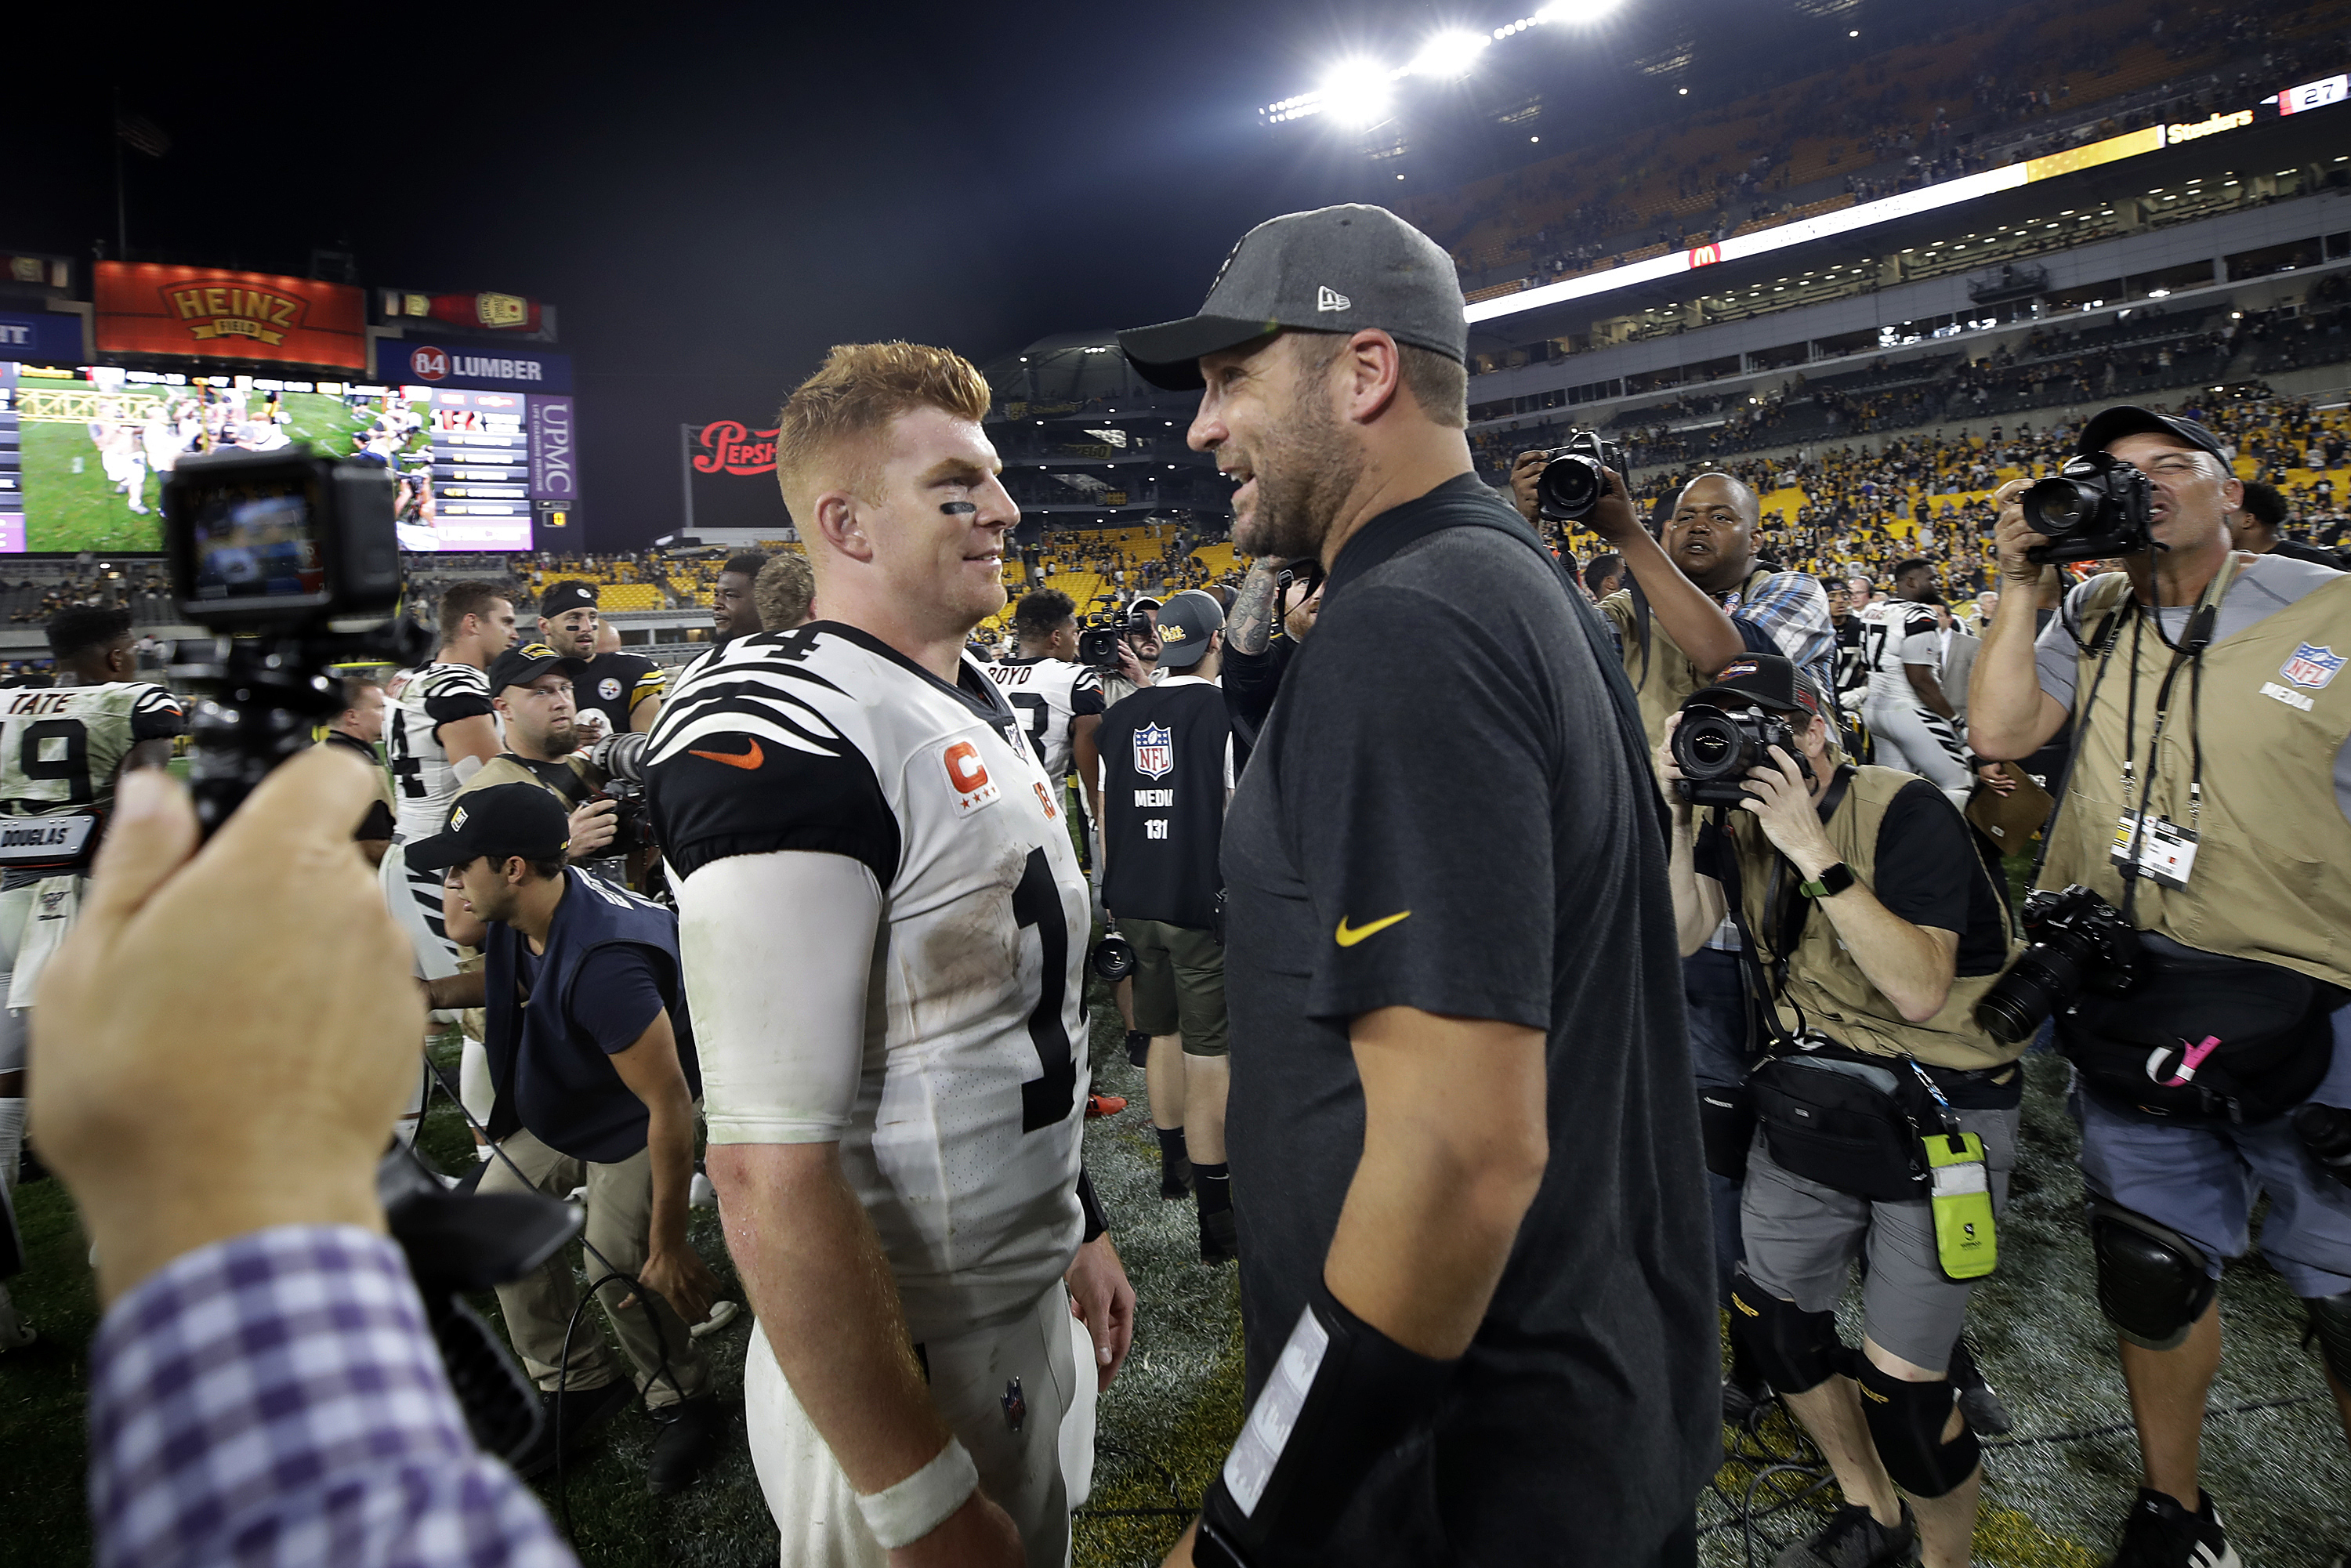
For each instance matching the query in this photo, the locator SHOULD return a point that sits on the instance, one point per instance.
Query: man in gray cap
(2209, 804)
(1466, 1163)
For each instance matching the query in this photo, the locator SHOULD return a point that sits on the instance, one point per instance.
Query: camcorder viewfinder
(261, 541)
(2096, 507)
(1716, 748)
(1571, 483)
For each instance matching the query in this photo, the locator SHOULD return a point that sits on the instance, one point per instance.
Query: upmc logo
(731, 447)
(1705, 254)
(430, 364)
(554, 470)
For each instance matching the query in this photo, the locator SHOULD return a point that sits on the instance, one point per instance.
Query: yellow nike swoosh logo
(1349, 936)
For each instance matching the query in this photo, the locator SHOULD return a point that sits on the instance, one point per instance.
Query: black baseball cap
(502, 820)
(1768, 681)
(1334, 269)
(523, 663)
(1186, 623)
(562, 597)
(2130, 419)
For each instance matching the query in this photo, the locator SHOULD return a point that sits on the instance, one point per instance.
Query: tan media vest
(1672, 676)
(2271, 880)
(1825, 989)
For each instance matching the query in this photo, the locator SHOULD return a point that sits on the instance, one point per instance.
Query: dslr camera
(1571, 483)
(1715, 748)
(2095, 506)
(631, 817)
(2078, 942)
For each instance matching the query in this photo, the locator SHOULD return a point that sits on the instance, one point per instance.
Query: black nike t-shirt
(1444, 812)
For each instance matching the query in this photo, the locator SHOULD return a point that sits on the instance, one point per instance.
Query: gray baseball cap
(1186, 623)
(1334, 269)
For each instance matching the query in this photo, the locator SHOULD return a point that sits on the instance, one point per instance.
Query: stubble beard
(1302, 470)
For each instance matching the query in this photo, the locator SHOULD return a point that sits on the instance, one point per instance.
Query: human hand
(592, 829)
(2011, 537)
(979, 1534)
(1525, 469)
(1102, 1298)
(592, 725)
(678, 1276)
(1781, 801)
(200, 1079)
(1998, 777)
(1669, 772)
(1129, 667)
(1611, 516)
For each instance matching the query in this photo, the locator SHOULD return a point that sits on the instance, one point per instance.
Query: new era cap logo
(1329, 299)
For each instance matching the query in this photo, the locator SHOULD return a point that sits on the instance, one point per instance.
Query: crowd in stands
(1914, 115)
(1853, 511)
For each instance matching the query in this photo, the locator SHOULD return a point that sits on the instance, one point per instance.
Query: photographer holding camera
(2203, 848)
(531, 692)
(596, 1080)
(1888, 1118)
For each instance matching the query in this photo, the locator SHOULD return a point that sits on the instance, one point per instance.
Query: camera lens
(1569, 488)
(2012, 1011)
(2059, 507)
(1709, 745)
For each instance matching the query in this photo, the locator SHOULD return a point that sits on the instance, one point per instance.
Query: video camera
(1571, 483)
(1098, 640)
(2097, 505)
(1716, 748)
(291, 561)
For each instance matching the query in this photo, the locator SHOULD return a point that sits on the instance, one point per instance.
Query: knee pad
(1796, 1351)
(2330, 1325)
(2152, 1284)
(1907, 1421)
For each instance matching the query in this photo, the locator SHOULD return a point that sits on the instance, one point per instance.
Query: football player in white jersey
(1059, 700)
(438, 733)
(1911, 719)
(856, 820)
(62, 748)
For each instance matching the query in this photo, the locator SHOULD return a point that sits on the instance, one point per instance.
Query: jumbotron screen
(85, 471)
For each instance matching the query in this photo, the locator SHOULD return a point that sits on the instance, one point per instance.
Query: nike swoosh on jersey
(1349, 935)
(749, 762)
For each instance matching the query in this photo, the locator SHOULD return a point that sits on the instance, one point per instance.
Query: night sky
(709, 194)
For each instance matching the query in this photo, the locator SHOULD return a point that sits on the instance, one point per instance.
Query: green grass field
(70, 505)
(2052, 1497)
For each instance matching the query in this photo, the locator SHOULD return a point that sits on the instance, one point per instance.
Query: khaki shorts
(1179, 984)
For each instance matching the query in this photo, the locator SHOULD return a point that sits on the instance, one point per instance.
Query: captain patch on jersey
(964, 1142)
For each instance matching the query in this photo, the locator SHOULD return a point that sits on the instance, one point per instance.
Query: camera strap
(1767, 978)
(2188, 652)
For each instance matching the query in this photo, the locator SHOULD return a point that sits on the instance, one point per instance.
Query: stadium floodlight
(1356, 93)
(1452, 53)
(1575, 10)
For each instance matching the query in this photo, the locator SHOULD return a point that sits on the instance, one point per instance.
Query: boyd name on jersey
(964, 1139)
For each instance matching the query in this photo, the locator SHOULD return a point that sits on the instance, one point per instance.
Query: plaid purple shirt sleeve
(276, 1398)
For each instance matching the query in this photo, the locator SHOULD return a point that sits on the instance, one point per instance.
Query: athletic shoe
(1138, 1048)
(722, 1312)
(1099, 1105)
(1219, 1238)
(1854, 1539)
(689, 1436)
(579, 1412)
(701, 1194)
(2161, 1533)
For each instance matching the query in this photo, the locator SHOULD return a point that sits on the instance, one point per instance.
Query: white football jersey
(1049, 694)
(963, 1140)
(1896, 633)
(420, 702)
(62, 746)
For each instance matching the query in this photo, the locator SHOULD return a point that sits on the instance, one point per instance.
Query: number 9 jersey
(63, 745)
(962, 1134)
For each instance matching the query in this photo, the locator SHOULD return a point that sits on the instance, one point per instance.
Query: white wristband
(902, 1514)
